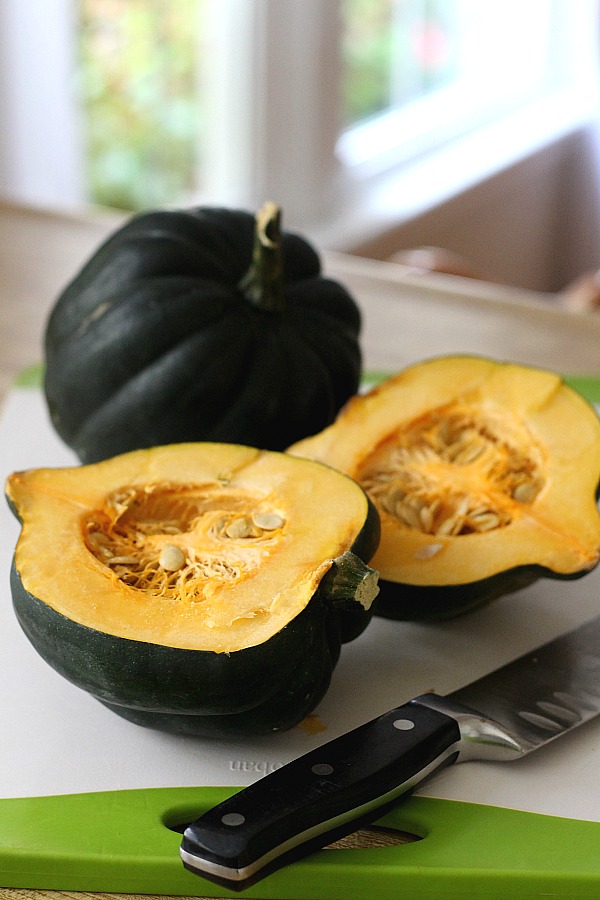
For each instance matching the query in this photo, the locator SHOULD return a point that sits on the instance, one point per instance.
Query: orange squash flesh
(478, 469)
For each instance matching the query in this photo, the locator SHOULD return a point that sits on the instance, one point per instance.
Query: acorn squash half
(485, 475)
(195, 588)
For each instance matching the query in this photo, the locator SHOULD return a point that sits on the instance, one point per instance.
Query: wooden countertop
(408, 316)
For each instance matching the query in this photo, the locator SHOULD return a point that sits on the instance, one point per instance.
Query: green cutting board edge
(119, 841)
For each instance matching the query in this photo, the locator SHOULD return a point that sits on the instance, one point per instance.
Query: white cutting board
(56, 739)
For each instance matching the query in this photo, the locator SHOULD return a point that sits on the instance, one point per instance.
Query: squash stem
(262, 285)
(351, 579)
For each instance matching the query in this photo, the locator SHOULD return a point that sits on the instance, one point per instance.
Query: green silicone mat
(120, 841)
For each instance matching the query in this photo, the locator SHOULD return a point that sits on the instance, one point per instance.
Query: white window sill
(376, 205)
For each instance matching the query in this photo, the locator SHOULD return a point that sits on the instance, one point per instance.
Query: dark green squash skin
(259, 690)
(416, 603)
(154, 342)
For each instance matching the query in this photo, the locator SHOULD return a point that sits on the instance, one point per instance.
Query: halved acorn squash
(195, 588)
(485, 475)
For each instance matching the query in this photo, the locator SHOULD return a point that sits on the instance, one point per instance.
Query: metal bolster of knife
(481, 737)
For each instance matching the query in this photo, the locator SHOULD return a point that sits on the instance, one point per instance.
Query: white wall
(39, 141)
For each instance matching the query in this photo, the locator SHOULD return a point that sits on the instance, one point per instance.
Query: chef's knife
(332, 790)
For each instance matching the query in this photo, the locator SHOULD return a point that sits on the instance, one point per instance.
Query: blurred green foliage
(366, 57)
(394, 51)
(142, 111)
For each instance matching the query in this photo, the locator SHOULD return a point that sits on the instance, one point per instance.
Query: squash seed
(428, 551)
(413, 475)
(172, 558)
(268, 521)
(485, 521)
(240, 528)
(133, 533)
(525, 492)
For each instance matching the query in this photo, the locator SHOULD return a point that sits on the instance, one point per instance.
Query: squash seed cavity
(172, 540)
(458, 470)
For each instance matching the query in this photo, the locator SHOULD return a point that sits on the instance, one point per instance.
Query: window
(394, 53)
(439, 68)
(322, 105)
(140, 102)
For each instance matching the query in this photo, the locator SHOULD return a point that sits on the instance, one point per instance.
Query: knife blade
(350, 781)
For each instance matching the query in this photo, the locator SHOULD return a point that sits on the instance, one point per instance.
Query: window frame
(255, 150)
(41, 144)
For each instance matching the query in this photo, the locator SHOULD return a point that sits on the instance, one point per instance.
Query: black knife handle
(320, 796)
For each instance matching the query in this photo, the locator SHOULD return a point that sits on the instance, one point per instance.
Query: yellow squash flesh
(477, 467)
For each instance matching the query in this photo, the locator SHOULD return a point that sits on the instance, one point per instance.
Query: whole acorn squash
(195, 588)
(485, 475)
(200, 325)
